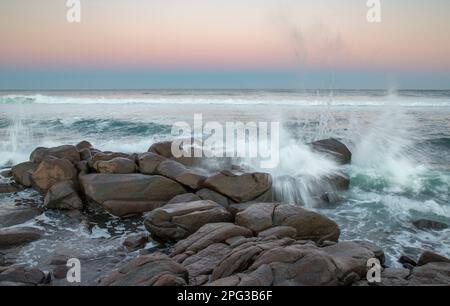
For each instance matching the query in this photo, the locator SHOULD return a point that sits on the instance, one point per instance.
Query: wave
(237, 99)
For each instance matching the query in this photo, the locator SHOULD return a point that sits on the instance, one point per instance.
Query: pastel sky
(123, 44)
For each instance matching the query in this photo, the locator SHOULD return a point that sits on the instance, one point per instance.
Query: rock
(83, 167)
(177, 221)
(58, 259)
(83, 145)
(85, 154)
(240, 187)
(126, 194)
(435, 273)
(162, 148)
(430, 257)
(149, 162)
(286, 262)
(52, 171)
(63, 152)
(22, 173)
(10, 187)
(7, 173)
(207, 194)
(406, 260)
(118, 165)
(181, 174)
(148, 270)
(23, 275)
(183, 198)
(209, 234)
(60, 271)
(17, 236)
(10, 216)
(102, 156)
(135, 241)
(279, 232)
(309, 225)
(334, 148)
(63, 196)
(425, 224)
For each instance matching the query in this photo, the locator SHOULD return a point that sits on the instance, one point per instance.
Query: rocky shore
(216, 223)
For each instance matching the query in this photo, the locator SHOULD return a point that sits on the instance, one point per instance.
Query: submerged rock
(135, 241)
(22, 276)
(425, 224)
(12, 237)
(127, 194)
(10, 216)
(148, 270)
(10, 187)
(240, 187)
(177, 221)
(334, 148)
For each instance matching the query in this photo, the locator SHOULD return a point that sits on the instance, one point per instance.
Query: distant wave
(238, 99)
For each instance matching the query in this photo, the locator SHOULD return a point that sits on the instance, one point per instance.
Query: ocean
(400, 142)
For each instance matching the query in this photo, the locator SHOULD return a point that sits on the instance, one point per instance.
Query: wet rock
(309, 225)
(23, 275)
(10, 187)
(85, 154)
(408, 261)
(435, 273)
(83, 167)
(177, 221)
(126, 194)
(425, 224)
(52, 171)
(181, 174)
(162, 148)
(7, 173)
(83, 145)
(135, 241)
(209, 234)
(18, 236)
(22, 173)
(334, 148)
(148, 270)
(117, 165)
(149, 162)
(240, 187)
(60, 271)
(63, 196)
(10, 216)
(208, 194)
(68, 152)
(183, 198)
(430, 257)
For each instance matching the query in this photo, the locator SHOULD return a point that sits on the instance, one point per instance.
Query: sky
(295, 44)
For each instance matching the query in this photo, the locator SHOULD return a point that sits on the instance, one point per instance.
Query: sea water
(400, 168)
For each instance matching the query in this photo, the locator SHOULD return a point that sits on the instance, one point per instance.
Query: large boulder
(10, 187)
(181, 174)
(68, 152)
(117, 165)
(239, 186)
(149, 162)
(22, 173)
(177, 221)
(435, 273)
(163, 148)
(64, 196)
(52, 171)
(148, 270)
(127, 194)
(309, 225)
(82, 145)
(333, 148)
(104, 156)
(208, 194)
(12, 237)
